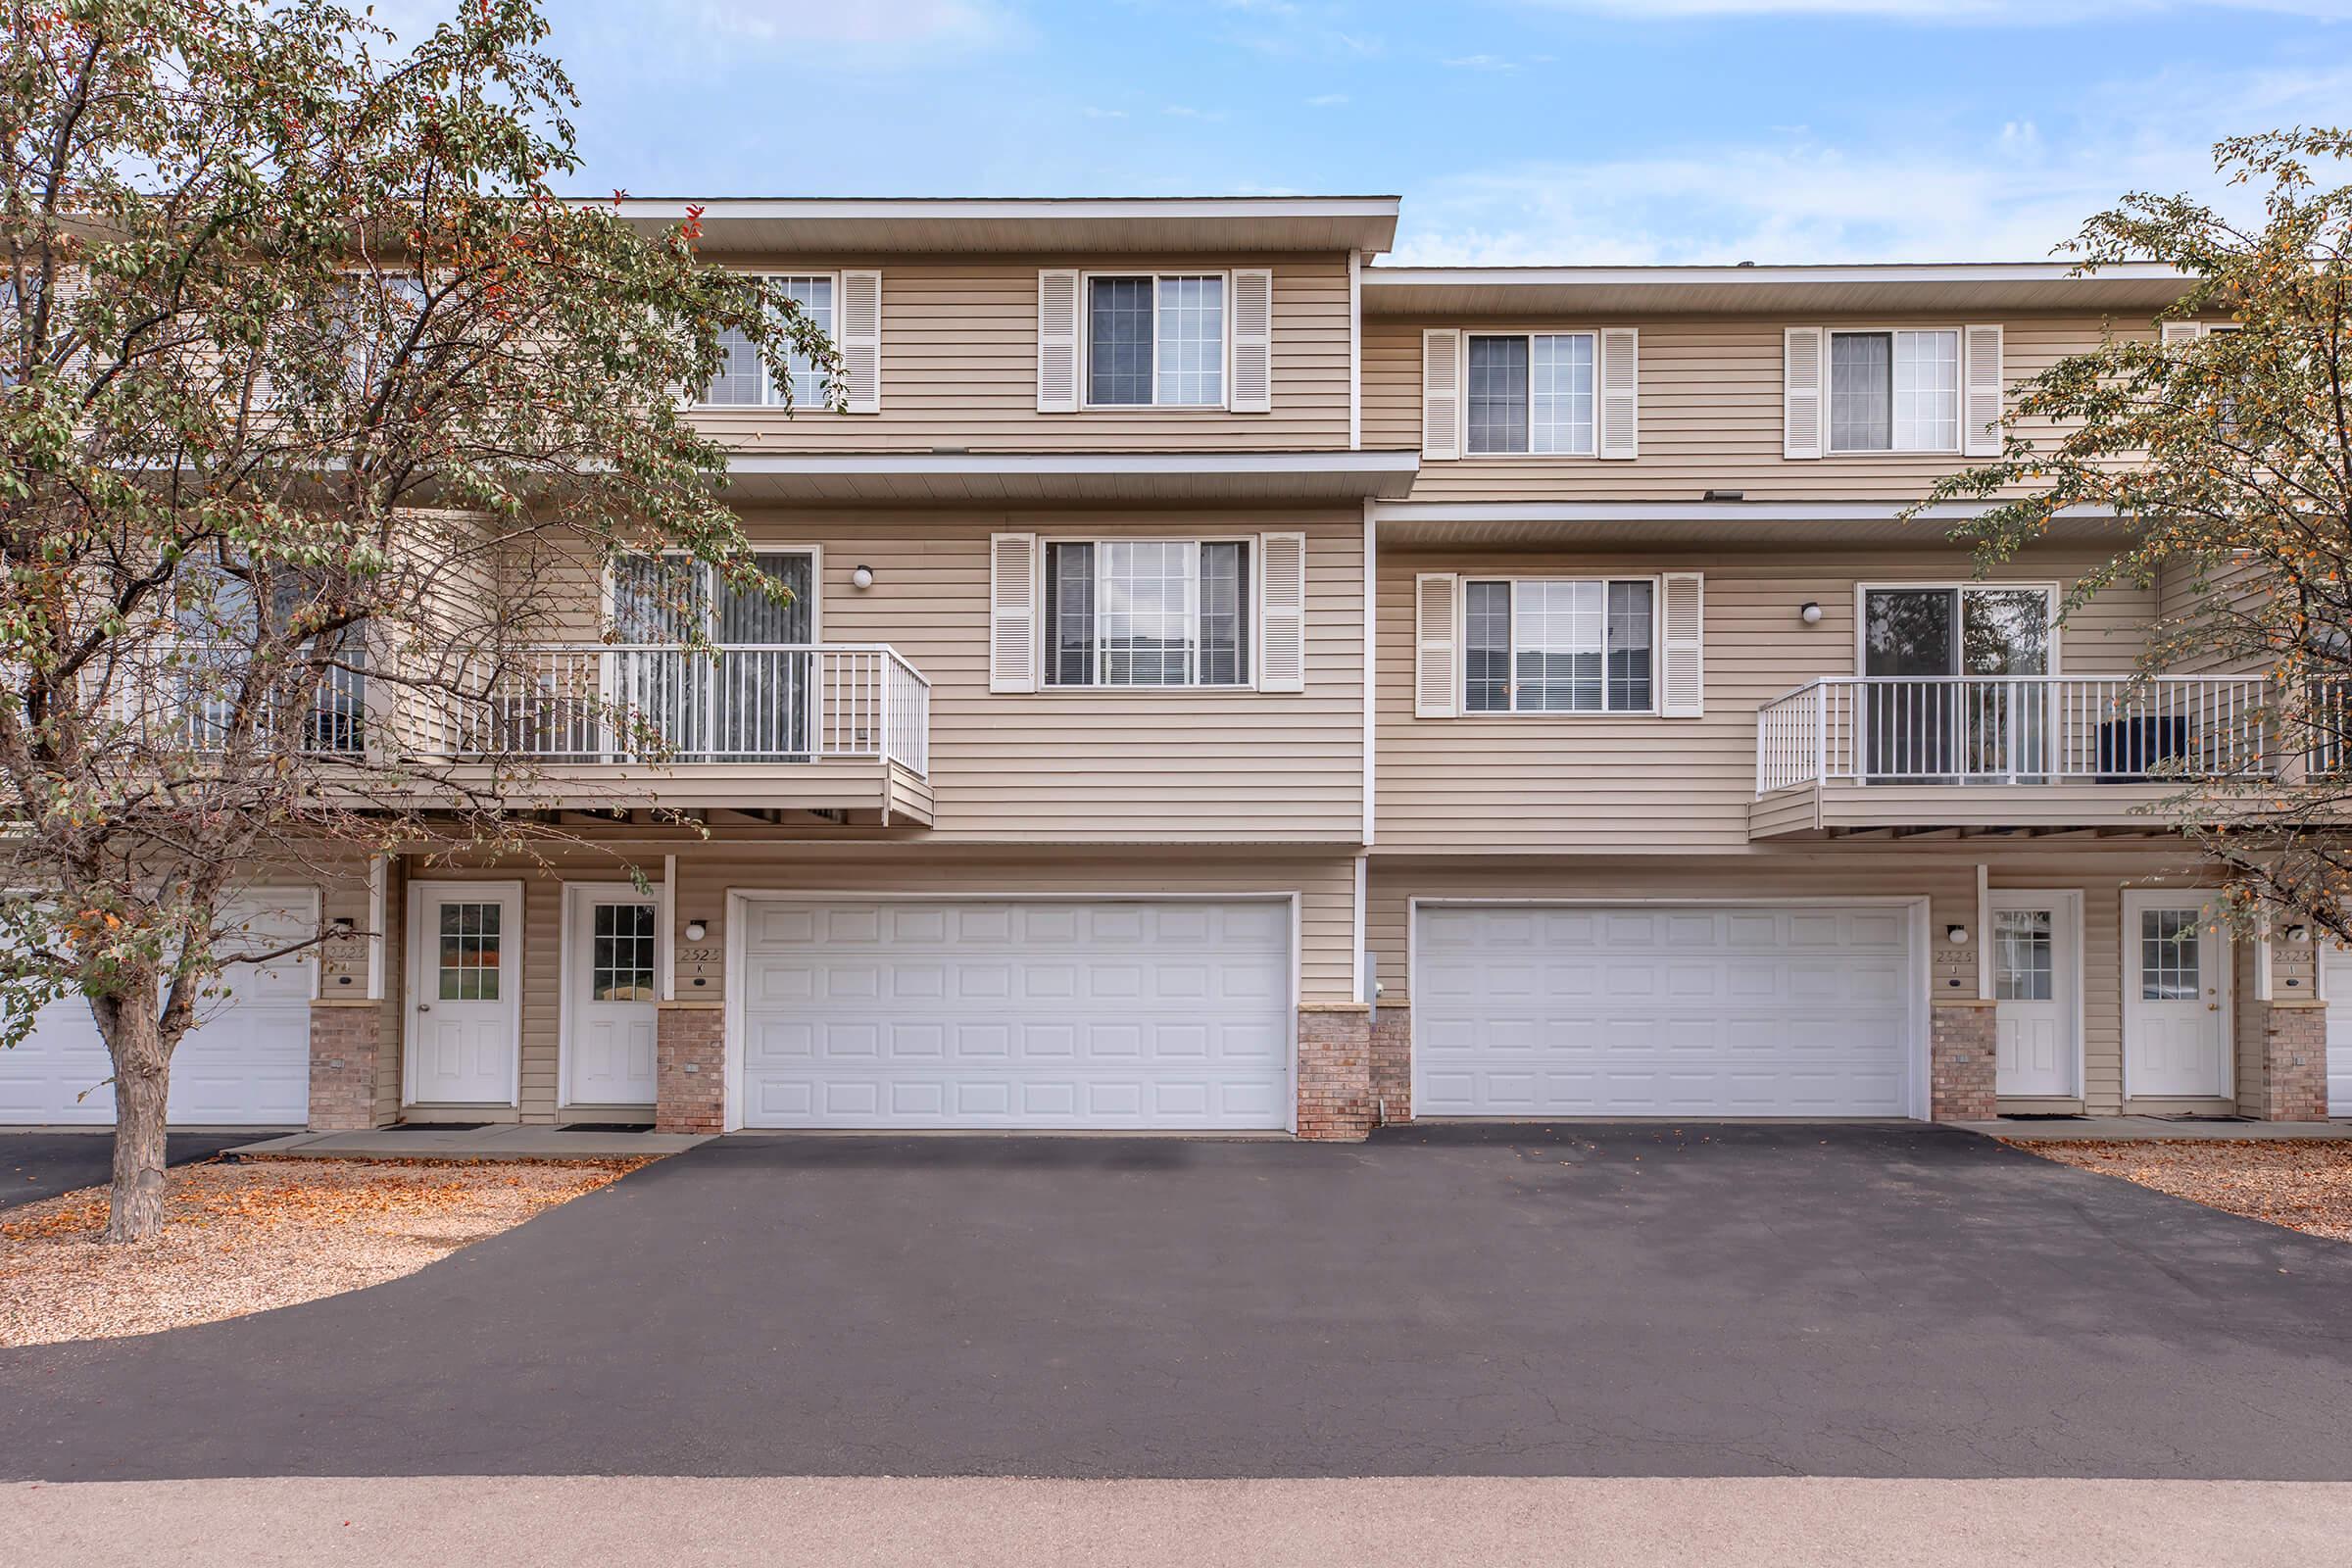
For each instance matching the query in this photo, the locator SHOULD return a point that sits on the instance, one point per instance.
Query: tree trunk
(142, 1083)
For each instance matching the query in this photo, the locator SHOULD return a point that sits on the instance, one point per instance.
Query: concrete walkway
(528, 1521)
(2133, 1129)
(507, 1142)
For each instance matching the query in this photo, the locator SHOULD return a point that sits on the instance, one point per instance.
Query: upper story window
(1156, 340)
(1897, 391)
(742, 381)
(1148, 612)
(1532, 392)
(1559, 645)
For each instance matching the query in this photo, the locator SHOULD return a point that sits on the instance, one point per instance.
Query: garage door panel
(1662, 1012)
(1024, 1014)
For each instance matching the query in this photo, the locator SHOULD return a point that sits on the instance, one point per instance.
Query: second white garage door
(1533, 1011)
(1017, 1014)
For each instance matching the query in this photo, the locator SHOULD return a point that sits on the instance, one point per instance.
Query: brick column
(1335, 1070)
(1393, 1064)
(1961, 1055)
(347, 1036)
(688, 1067)
(2291, 1041)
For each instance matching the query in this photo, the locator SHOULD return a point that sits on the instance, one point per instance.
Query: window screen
(1118, 337)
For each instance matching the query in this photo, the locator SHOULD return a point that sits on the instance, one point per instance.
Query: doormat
(2193, 1115)
(435, 1127)
(2044, 1115)
(606, 1127)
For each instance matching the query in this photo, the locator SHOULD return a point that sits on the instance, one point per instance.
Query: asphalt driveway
(38, 1165)
(1589, 1301)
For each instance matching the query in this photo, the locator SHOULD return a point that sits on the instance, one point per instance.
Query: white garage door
(1661, 1011)
(246, 1063)
(2338, 984)
(1017, 1014)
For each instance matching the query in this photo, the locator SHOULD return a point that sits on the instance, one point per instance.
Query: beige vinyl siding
(1946, 874)
(1070, 766)
(959, 366)
(1516, 783)
(1710, 414)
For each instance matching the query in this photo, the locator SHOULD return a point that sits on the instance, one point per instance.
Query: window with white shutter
(1013, 630)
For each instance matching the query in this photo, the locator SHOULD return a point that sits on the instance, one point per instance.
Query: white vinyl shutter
(1436, 665)
(861, 340)
(1441, 393)
(1282, 613)
(2180, 332)
(1012, 613)
(1058, 341)
(1682, 692)
(1253, 340)
(1619, 392)
(1801, 392)
(1982, 402)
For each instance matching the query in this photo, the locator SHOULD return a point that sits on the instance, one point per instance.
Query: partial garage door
(247, 1062)
(1017, 1014)
(2337, 982)
(1661, 1011)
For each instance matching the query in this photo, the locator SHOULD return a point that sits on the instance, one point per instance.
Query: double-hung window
(1156, 340)
(1532, 392)
(742, 382)
(1559, 644)
(1897, 391)
(1148, 612)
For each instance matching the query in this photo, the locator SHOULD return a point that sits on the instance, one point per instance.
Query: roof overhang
(2138, 288)
(1033, 478)
(1141, 224)
(1699, 525)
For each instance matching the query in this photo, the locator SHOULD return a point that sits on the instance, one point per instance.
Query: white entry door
(2035, 938)
(611, 961)
(2176, 998)
(465, 991)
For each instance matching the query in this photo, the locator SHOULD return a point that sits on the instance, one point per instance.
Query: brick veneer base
(1961, 1057)
(2293, 1068)
(1335, 1071)
(345, 1041)
(1393, 1064)
(688, 1068)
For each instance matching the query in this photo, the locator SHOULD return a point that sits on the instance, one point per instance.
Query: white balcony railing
(668, 705)
(2012, 729)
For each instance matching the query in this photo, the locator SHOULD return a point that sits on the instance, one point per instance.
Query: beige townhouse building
(1232, 685)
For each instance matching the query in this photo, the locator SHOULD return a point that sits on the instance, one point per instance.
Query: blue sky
(1516, 131)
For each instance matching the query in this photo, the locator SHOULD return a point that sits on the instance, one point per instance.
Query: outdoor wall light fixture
(341, 925)
(696, 930)
(1810, 615)
(2296, 933)
(1955, 934)
(861, 576)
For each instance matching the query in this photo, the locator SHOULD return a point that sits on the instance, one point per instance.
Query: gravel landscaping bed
(246, 1236)
(2304, 1184)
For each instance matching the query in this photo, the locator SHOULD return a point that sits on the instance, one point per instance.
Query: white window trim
(1829, 382)
(817, 575)
(1462, 643)
(768, 380)
(1863, 590)
(1462, 436)
(1086, 342)
(1255, 618)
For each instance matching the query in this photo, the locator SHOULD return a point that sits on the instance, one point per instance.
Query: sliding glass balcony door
(747, 697)
(1953, 692)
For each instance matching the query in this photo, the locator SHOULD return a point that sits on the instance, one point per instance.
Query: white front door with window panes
(465, 947)
(2033, 939)
(2175, 999)
(608, 1024)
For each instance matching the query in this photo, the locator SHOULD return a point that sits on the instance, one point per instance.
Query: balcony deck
(2000, 754)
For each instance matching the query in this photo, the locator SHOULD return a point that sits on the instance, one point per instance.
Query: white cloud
(1093, 113)
(2008, 193)
(1187, 112)
(1965, 12)
(1481, 63)
(1327, 100)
